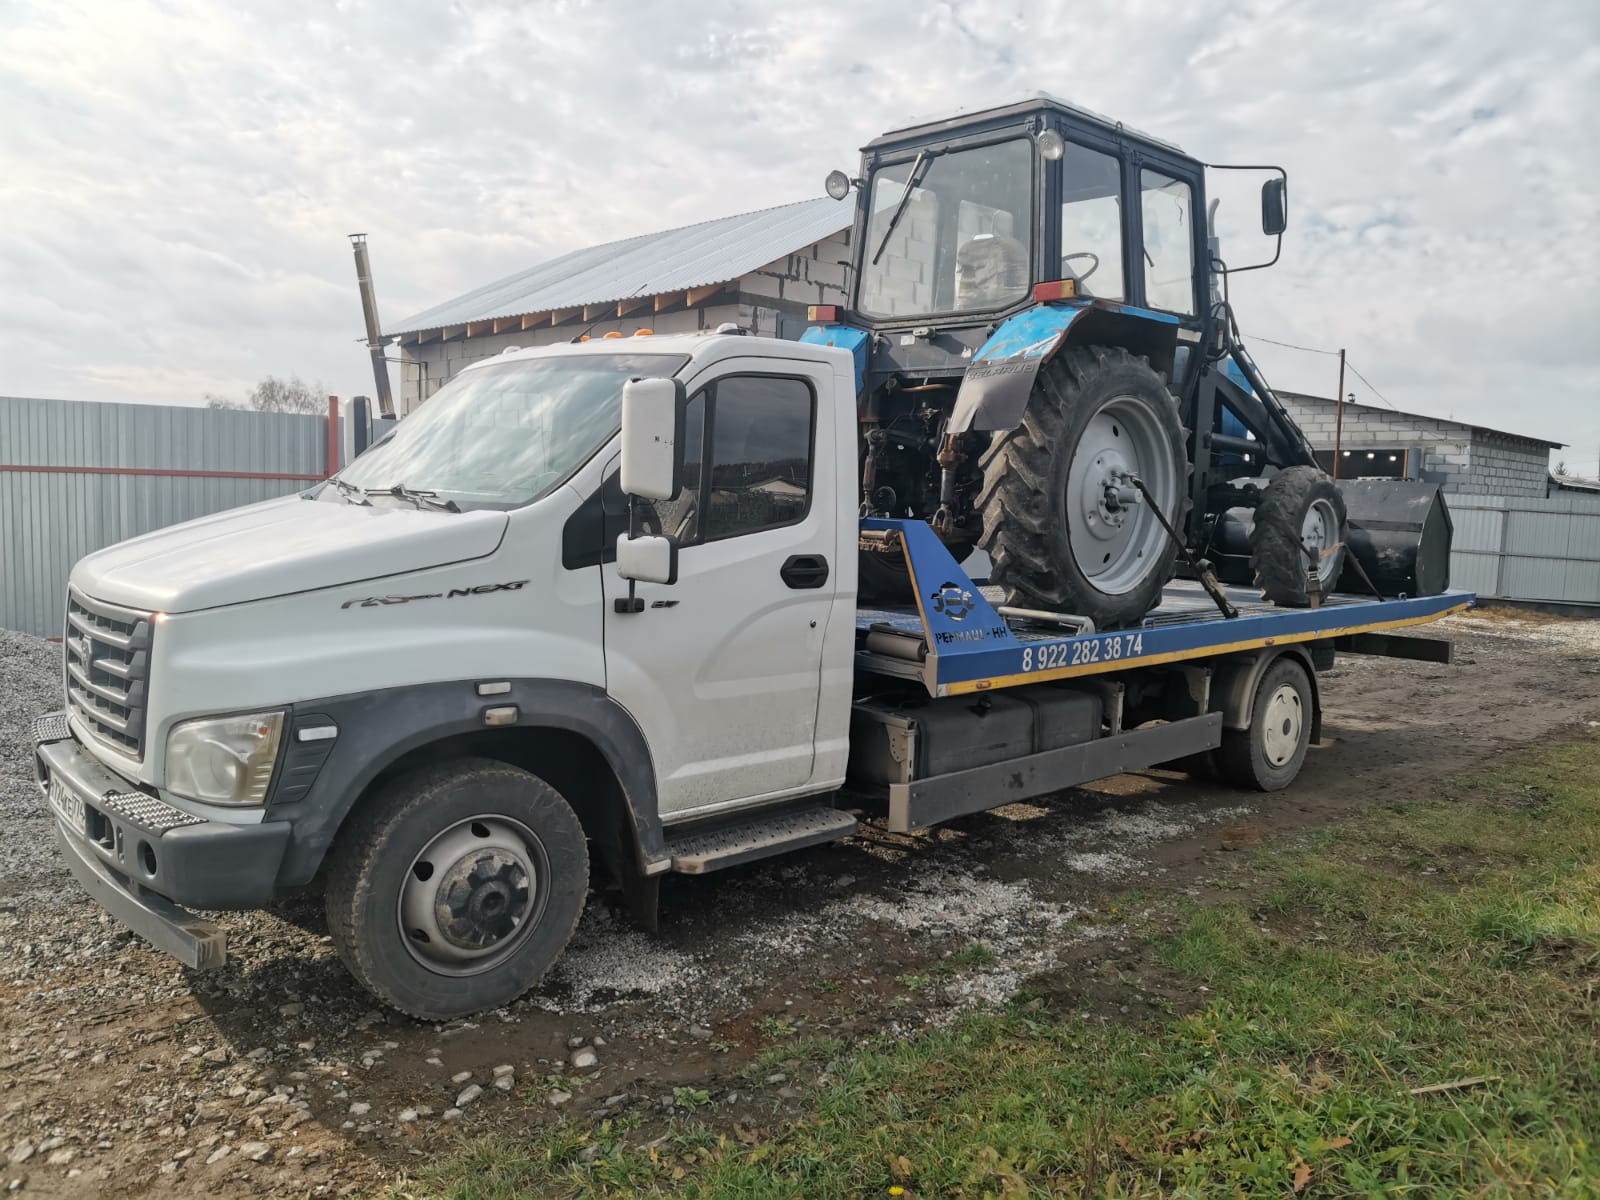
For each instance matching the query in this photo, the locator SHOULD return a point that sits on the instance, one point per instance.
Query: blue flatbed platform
(955, 641)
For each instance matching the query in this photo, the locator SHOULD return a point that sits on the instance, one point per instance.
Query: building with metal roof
(757, 269)
(1384, 443)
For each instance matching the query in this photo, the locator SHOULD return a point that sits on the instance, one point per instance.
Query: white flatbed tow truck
(599, 601)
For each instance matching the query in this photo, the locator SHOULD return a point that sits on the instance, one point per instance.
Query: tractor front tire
(1300, 521)
(1055, 541)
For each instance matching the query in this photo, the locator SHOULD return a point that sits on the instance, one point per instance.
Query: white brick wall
(1461, 458)
(815, 275)
(441, 361)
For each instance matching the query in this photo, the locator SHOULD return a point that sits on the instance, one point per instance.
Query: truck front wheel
(457, 887)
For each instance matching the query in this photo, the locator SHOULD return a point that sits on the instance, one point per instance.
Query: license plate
(67, 803)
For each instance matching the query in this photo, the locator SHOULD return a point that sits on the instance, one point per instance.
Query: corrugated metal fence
(76, 476)
(1527, 548)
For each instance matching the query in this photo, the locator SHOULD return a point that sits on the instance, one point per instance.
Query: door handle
(803, 571)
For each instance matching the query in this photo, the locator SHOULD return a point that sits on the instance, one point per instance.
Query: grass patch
(1454, 941)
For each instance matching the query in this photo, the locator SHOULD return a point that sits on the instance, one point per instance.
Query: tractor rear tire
(1301, 519)
(1096, 413)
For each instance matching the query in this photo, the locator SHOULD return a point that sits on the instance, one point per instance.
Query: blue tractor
(1049, 370)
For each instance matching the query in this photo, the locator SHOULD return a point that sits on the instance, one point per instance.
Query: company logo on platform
(953, 600)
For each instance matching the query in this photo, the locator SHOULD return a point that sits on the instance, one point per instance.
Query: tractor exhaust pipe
(369, 310)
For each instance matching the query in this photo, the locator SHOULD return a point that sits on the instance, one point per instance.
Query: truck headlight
(224, 760)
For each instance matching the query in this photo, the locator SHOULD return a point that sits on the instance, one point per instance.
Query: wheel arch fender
(994, 391)
(387, 732)
(1237, 677)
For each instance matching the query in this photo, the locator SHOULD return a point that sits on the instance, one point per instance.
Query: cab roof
(710, 345)
(1036, 102)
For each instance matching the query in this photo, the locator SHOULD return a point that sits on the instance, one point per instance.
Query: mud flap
(994, 391)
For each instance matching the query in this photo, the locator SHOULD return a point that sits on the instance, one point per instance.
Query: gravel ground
(122, 1072)
(30, 684)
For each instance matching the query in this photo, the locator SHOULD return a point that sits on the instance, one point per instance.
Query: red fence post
(333, 434)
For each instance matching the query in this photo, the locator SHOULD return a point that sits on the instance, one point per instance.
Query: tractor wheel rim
(1319, 534)
(473, 895)
(1282, 722)
(1116, 543)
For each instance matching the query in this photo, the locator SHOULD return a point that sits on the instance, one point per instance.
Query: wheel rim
(1281, 724)
(1116, 538)
(1319, 534)
(473, 895)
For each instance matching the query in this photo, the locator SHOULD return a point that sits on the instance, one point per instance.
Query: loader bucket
(1399, 531)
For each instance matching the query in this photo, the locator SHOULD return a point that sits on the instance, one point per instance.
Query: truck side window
(759, 443)
(679, 519)
(1168, 242)
(760, 461)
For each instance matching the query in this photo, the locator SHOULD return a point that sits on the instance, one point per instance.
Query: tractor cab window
(1167, 208)
(959, 241)
(1091, 222)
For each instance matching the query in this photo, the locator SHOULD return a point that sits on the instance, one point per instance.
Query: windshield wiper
(923, 158)
(350, 491)
(417, 496)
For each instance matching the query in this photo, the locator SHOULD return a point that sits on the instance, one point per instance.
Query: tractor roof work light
(837, 184)
(1051, 145)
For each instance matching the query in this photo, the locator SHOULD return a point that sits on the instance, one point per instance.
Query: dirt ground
(123, 1074)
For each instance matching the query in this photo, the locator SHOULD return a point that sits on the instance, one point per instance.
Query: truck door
(721, 670)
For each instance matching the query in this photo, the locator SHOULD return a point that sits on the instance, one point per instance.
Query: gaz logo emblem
(953, 600)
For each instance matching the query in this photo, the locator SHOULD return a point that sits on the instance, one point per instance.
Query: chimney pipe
(375, 338)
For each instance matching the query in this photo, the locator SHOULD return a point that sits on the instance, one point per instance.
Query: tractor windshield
(959, 241)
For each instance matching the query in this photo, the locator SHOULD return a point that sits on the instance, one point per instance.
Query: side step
(759, 836)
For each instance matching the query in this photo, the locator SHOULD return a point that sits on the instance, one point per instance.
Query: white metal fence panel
(76, 476)
(1527, 548)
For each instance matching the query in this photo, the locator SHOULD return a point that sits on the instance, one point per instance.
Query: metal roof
(648, 265)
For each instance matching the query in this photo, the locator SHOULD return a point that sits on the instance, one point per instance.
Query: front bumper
(142, 859)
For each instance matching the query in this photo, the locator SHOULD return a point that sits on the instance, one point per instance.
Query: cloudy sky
(176, 179)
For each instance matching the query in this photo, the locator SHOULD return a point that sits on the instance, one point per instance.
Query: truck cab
(239, 687)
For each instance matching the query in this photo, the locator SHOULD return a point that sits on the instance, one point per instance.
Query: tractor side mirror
(652, 438)
(1274, 206)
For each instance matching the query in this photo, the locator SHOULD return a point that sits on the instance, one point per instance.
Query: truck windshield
(964, 235)
(505, 434)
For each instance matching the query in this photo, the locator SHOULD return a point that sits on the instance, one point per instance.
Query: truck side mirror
(647, 559)
(1274, 206)
(652, 438)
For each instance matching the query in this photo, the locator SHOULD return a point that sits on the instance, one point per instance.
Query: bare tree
(1561, 468)
(292, 395)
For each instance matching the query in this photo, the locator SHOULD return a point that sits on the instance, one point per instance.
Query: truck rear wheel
(1064, 528)
(1268, 754)
(457, 887)
(1299, 522)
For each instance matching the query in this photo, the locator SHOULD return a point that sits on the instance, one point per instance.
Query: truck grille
(108, 670)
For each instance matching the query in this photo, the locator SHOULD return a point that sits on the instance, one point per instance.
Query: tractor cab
(1049, 369)
(966, 220)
